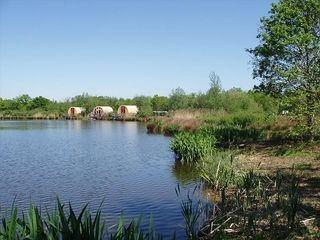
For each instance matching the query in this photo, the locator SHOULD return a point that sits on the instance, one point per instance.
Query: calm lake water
(92, 161)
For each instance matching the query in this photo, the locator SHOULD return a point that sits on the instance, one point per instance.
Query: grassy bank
(264, 186)
(230, 129)
(252, 199)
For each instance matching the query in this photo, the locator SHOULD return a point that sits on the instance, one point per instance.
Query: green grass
(219, 170)
(192, 147)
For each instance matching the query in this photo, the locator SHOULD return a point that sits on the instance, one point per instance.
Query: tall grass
(189, 147)
(63, 224)
(59, 224)
(219, 170)
(257, 206)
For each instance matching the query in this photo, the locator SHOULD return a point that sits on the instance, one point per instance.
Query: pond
(114, 163)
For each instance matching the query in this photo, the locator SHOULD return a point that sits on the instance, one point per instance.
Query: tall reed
(192, 147)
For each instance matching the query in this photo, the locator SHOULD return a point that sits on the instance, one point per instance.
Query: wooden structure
(73, 112)
(100, 112)
(127, 110)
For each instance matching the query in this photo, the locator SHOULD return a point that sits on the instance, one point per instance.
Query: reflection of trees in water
(210, 194)
(188, 173)
(185, 173)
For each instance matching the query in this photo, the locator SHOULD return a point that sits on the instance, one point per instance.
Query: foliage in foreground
(255, 205)
(61, 224)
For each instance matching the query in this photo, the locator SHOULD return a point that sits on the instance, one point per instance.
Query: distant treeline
(232, 100)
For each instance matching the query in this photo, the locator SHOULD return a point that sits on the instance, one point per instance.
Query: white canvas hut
(75, 111)
(128, 110)
(101, 111)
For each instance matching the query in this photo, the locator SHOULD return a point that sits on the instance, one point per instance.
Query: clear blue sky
(123, 48)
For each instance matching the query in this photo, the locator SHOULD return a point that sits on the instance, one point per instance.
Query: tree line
(214, 98)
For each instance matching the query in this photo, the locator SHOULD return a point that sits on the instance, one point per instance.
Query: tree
(178, 99)
(23, 100)
(215, 82)
(213, 94)
(144, 105)
(159, 103)
(287, 60)
(39, 102)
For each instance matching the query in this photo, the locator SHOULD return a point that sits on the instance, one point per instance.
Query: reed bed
(190, 147)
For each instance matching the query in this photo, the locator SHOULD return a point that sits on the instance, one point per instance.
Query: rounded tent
(75, 111)
(100, 111)
(127, 110)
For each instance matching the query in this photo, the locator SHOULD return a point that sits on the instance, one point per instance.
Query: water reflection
(185, 173)
(91, 161)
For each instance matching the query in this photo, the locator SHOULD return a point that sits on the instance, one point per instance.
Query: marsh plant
(63, 224)
(219, 170)
(59, 224)
(192, 147)
(194, 211)
(258, 206)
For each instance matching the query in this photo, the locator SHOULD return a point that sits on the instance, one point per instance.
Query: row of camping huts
(100, 112)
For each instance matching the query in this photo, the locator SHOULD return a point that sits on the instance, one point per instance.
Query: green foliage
(287, 60)
(61, 224)
(172, 129)
(233, 134)
(236, 100)
(268, 104)
(144, 105)
(242, 119)
(213, 95)
(39, 102)
(178, 99)
(160, 103)
(256, 205)
(185, 173)
(231, 101)
(58, 225)
(192, 147)
(219, 170)
(155, 126)
(191, 210)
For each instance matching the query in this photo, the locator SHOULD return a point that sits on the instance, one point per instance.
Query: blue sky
(124, 48)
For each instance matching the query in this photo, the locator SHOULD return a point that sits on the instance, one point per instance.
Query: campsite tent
(127, 110)
(75, 111)
(101, 111)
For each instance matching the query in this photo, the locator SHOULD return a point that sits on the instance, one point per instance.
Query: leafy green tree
(160, 103)
(213, 94)
(39, 102)
(23, 100)
(287, 59)
(268, 103)
(144, 104)
(178, 99)
(236, 100)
